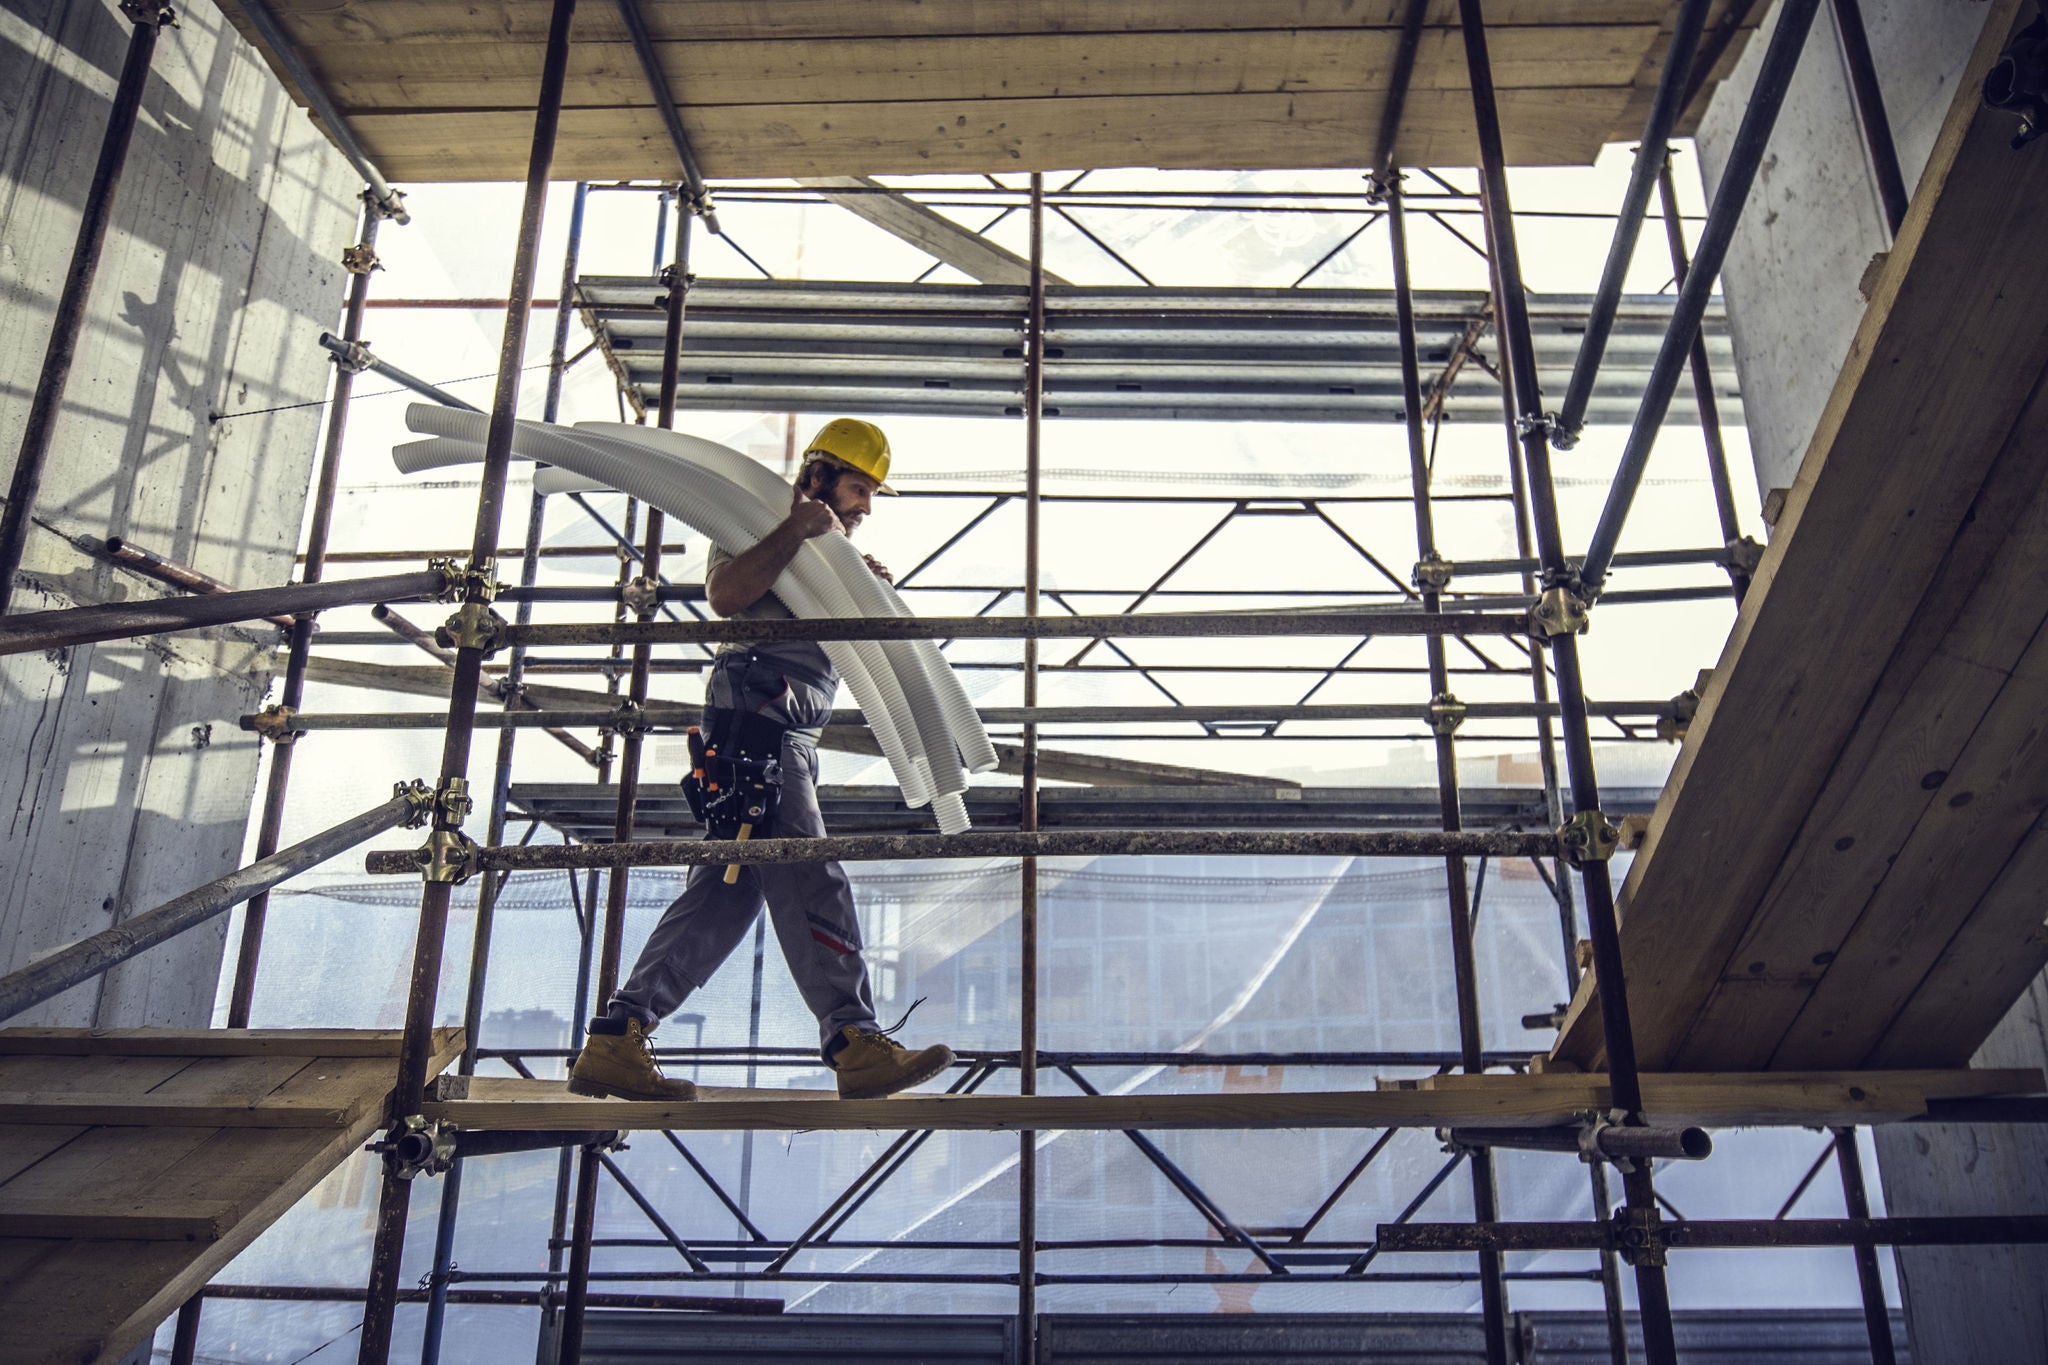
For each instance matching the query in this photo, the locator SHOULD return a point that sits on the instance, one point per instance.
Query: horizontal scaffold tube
(1989, 1230)
(1157, 624)
(124, 620)
(668, 715)
(1064, 843)
(89, 957)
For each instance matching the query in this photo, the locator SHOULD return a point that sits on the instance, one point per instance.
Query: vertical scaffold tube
(292, 690)
(69, 323)
(1651, 1290)
(395, 1199)
(1027, 1059)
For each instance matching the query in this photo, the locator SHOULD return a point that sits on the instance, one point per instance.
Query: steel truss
(1555, 594)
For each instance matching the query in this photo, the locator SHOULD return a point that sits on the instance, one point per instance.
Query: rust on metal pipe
(152, 565)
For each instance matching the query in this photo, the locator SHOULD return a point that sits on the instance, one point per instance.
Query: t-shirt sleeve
(719, 558)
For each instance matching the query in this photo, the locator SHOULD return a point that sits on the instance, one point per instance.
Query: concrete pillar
(1808, 235)
(123, 778)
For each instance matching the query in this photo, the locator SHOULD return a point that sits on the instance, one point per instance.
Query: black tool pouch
(735, 780)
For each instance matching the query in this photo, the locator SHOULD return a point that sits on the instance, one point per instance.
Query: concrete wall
(123, 778)
(1810, 228)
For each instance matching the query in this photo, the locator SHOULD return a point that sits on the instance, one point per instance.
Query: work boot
(618, 1060)
(872, 1064)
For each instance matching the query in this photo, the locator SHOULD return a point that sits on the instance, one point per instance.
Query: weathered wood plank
(1993, 959)
(95, 1300)
(367, 77)
(1981, 612)
(1238, 131)
(23, 1145)
(54, 1076)
(213, 1042)
(1989, 801)
(526, 21)
(1716, 1100)
(124, 1110)
(1948, 354)
(124, 1220)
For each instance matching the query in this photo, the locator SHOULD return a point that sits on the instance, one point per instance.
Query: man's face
(851, 497)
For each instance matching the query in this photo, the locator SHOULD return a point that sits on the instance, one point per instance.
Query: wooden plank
(1993, 796)
(1238, 131)
(108, 1163)
(124, 1110)
(54, 1076)
(1992, 961)
(1930, 702)
(525, 21)
(1947, 355)
(926, 229)
(23, 1145)
(1717, 1100)
(233, 1081)
(1678, 1087)
(96, 1300)
(211, 1042)
(130, 1220)
(365, 77)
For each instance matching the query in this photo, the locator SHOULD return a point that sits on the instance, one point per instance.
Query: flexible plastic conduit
(910, 715)
(708, 505)
(836, 574)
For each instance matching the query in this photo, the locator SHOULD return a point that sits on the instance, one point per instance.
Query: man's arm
(746, 578)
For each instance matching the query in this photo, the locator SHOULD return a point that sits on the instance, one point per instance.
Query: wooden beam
(118, 1110)
(1246, 131)
(176, 1220)
(214, 1042)
(926, 229)
(1949, 352)
(480, 74)
(1499, 1100)
(526, 21)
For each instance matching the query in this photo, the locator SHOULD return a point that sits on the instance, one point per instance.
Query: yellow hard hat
(856, 444)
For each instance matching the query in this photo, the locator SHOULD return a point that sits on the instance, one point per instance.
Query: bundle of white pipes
(927, 728)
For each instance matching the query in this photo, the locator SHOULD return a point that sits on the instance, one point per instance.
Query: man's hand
(811, 518)
(880, 570)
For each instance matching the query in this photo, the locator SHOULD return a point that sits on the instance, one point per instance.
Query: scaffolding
(1572, 833)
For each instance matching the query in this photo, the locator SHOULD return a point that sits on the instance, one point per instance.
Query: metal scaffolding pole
(1733, 560)
(501, 788)
(1877, 1318)
(360, 261)
(1027, 1076)
(68, 324)
(1870, 116)
(1745, 155)
(1665, 108)
(1652, 1292)
(634, 739)
(1446, 714)
(452, 801)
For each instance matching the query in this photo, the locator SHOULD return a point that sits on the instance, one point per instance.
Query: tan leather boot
(622, 1065)
(872, 1065)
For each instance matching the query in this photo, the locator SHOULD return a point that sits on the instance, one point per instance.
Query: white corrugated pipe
(658, 482)
(732, 518)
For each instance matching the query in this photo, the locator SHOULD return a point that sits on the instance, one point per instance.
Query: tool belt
(735, 782)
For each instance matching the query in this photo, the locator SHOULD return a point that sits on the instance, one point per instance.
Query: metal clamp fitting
(1591, 1124)
(414, 1147)
(420, 797)
(1380, 183)
(473, 626)
(1743, 556)
(453, 803)
(353, 357)
(640, 594)
(475, 581)
(1639, 1236)
(448, 856)
(1446, 713)
(1588, 837)
(360, 259)
(150, 12)
(1552, 429)
(274, 723)
(1433, 572)
(1684, 707)
(629, 717)
(1559, 611)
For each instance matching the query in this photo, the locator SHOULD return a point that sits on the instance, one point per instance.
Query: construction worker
(810, 904)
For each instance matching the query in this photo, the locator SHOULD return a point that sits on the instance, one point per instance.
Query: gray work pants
(810, 904)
